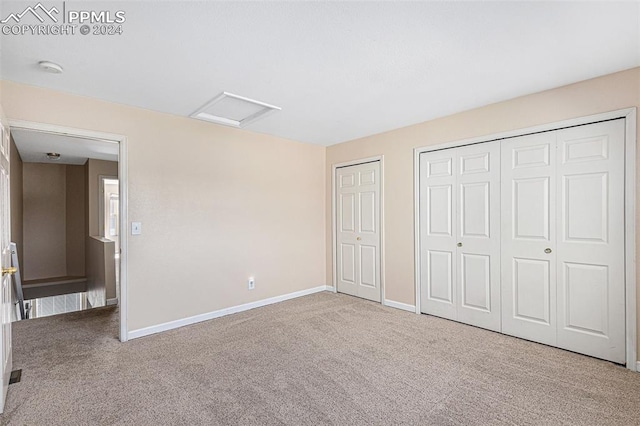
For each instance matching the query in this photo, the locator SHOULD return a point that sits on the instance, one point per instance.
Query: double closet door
(561, 245)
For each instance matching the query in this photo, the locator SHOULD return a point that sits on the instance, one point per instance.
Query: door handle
(459, 244)
(358, 238)
(547, 250)
(9, 271)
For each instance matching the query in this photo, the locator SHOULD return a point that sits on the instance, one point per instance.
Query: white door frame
(629, 114)
(124, 192)
(101, 206)
(334, 233)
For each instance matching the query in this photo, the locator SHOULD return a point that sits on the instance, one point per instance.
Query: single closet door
(358, 230)
(460, 234)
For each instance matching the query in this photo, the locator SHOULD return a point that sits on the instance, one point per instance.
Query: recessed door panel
(440, 167)
(586, 205)
(586, 292)
(440, 281)
(531, 208)
(586, 149)
(368, 266)
(347, 212)
(476, 281)
(530, 156)
(439, 215)
(474, 163)
(368, 211)
(348, 257)
(474, 209)
(531, 290)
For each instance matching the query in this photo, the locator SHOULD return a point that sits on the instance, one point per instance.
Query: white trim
(334, 246)
(123, 177)
(399, 305)
(111, 302)
(629, 114)
(221, 313)
(101, 206)
(630, 243)
(330, 288)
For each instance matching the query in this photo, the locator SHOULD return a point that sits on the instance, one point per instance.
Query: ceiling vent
(233, 110)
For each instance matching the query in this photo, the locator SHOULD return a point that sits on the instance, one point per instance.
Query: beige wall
(75, 219)
(608, 93)
(95, 169)
(16, 202)
(44, 219)
(53, 219)
(217, 205)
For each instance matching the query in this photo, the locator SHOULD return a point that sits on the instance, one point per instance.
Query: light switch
(136, 228)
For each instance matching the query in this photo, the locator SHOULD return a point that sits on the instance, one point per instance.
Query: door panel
(437, 233)
(358, 233)
(528, 237)
(590, 251)
(478, 235)
(6, 305)
(460, 234)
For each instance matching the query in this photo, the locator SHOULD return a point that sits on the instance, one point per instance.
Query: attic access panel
(233, 110)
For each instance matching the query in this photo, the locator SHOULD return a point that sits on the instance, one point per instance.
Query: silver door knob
(547, 250)
(459, 244)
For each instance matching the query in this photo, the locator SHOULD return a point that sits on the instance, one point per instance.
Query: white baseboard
(398, 305)
(638, 366)
(220, 313)
(111, 302)
(331, 288)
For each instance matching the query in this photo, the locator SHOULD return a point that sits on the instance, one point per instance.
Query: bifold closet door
(358, 230)
(590, 247)
(563, 278)
(460, 234)
(529, 237)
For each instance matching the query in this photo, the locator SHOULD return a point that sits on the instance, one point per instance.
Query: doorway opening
(66, 216)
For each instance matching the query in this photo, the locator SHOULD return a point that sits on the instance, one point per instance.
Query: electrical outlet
(252, 283)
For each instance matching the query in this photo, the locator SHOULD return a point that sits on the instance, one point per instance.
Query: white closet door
(590, 247)
(529, 237)
(437, 233)
(460, 234)
(358, 230)
(478, 235)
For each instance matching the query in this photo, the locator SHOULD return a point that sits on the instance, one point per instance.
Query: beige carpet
(320, 359)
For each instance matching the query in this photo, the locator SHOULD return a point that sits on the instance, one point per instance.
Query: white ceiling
(33, 147)
(339, 70)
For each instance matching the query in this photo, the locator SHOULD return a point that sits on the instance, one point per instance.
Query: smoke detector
(51, 67)
(233, 110)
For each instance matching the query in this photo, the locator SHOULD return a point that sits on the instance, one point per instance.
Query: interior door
(5, 264)
(529, 237)
(358, 230)
(438, 233)
(478, 235)
(590, 247)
